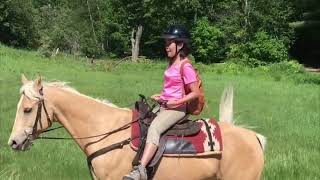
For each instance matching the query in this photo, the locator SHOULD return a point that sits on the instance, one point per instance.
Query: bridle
(37, 121)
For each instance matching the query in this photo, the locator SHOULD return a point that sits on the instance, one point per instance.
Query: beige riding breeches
(163, 121)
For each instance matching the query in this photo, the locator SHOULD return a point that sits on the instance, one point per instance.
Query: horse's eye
(27, 110)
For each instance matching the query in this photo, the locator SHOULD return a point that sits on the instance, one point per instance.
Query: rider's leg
(149, 151)
(164, 120)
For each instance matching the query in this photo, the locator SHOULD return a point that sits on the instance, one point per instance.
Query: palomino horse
(43, 103)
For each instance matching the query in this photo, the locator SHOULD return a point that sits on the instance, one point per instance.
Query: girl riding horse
(173, 95)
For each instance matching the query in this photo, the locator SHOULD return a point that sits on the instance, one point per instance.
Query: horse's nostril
(13, 143)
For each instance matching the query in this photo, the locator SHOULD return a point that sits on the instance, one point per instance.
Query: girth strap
(102, 151)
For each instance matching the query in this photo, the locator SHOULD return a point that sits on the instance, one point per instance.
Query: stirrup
(138, 173)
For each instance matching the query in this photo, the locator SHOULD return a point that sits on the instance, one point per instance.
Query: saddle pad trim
(192, 155)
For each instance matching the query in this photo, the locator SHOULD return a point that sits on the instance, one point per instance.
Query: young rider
(177, 47)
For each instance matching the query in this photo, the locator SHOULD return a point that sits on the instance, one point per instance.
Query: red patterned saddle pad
(195, 145)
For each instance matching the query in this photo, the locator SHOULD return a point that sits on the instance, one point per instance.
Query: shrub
(287, 68)
(262, 50)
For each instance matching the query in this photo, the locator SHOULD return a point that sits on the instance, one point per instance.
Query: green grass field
(285, 110)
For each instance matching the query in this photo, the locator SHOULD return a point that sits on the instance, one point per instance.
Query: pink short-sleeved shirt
(173, 87)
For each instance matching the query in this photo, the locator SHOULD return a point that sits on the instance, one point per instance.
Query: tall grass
(285, 110)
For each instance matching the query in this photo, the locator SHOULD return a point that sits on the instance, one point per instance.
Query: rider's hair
(185, 51)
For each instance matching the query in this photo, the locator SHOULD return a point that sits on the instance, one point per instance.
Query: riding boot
(138, 173)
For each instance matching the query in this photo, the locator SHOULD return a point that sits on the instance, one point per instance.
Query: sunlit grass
(285, 111)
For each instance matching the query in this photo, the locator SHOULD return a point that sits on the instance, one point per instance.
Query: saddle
(185, 126)
(187, 137)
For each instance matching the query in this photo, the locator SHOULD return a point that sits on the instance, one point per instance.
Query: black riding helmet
(180, 34)
(177, 32)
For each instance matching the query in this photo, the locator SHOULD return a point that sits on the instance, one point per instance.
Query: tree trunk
(92, 26)
(102, 47)
(135, 42)
(246, 13)
(132, 44)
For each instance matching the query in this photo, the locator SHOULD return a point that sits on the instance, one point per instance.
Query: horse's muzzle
(21, 145)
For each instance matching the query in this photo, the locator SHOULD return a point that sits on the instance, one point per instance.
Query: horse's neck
(83, 117)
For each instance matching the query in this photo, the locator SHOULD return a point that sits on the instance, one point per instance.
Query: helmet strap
(177, 52)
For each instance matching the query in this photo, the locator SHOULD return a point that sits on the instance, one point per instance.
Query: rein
(126, 126)
(38, 120)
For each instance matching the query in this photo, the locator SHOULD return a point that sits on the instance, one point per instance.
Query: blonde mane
(29, 91)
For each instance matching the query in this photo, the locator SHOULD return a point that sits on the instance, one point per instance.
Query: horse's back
(242, 156)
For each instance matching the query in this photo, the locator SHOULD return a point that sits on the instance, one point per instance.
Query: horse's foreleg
(93, 176)
(114, 164)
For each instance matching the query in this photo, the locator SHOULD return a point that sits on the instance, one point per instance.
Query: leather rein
(38, 121)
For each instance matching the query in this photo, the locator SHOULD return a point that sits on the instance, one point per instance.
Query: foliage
(56, 28)
(288, 68)
(262, 49)
(273, 17)
(117, 40)
(17, 23)
(208, 42)
(95, 28)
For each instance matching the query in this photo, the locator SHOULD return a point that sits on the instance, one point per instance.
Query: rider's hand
(156, 97)
(172, 104)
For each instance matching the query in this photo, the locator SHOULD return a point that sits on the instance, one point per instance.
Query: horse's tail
(226, 105)
(262, 140)
(226, 112)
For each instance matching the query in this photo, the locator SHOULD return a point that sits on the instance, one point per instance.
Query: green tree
(121, 27)
(17, 25)
(262, 49)
(208, 42)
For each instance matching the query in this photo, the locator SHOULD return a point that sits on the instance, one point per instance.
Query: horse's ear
(38, 83)
(24, 80)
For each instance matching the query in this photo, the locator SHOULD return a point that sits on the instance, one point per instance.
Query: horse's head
(32, 117)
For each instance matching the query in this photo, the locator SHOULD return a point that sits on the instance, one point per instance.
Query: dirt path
(309, 69)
